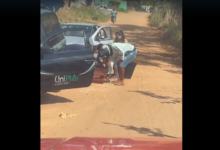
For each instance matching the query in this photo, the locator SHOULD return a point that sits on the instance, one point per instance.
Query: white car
(103, 7)
(85, 34)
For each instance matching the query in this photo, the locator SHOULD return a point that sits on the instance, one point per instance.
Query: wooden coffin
(99, 80)
(100, 74)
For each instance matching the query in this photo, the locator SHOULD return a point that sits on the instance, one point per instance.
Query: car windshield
(79, 33)
(87, 28)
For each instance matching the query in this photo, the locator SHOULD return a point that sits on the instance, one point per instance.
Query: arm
(107, 62)
(113, 55)
(126, 41)
(98, 58)
(118, 55)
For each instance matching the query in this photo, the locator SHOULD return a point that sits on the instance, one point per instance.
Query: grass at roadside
(87, 15)
(168, 17)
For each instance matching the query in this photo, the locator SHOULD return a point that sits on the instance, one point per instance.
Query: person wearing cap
(105, 53)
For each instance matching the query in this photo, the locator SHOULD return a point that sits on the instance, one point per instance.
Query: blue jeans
(128, 58)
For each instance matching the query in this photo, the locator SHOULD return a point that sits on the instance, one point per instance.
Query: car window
(108, 33)
(102, 33)
(51, 24)
(105, 7)
(74, 33)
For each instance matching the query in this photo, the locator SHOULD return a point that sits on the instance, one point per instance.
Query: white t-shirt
(119, 49)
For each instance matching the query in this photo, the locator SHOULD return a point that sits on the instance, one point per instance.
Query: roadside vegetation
(150, 2)
(81, 14)
(135, 5)
(167, 16)
(116, 4)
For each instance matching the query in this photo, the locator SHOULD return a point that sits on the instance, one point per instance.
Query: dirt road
(149, 105)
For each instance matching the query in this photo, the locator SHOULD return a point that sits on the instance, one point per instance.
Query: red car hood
(85, 143)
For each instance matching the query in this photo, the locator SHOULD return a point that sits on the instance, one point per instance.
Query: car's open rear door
(71, 68)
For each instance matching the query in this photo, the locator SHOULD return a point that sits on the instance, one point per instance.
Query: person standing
(119, 38)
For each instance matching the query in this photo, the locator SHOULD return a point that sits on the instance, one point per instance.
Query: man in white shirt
(123, 54)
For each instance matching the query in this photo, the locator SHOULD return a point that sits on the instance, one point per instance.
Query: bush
(132, 5)
(150, 2)
(75, 14)
(168, 15)
(116, 5)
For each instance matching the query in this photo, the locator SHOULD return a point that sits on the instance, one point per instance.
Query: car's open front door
(107, 36)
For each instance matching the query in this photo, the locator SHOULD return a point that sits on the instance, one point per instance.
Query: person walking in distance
(113, 14)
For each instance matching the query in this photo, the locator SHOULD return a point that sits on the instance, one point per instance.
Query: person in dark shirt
(105, 53)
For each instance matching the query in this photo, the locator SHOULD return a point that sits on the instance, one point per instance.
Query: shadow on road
(151, 94)
(172, 71)
(142, 130)
(51, 99)
(173, 100)
(146, 38)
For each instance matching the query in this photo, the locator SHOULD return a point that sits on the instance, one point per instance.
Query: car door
(108, 39)
(46, 72)
(50, 23)
(65, 70)
(70, 68)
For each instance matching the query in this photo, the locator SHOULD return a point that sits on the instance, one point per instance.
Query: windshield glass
(87, 28)
(79, 33)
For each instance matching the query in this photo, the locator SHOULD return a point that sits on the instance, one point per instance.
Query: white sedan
(104, 7)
